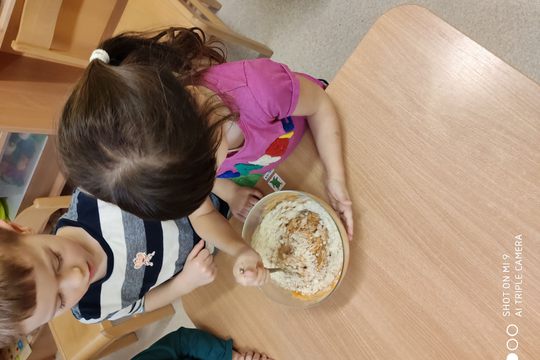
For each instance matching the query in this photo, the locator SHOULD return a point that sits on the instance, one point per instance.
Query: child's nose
(72, 278)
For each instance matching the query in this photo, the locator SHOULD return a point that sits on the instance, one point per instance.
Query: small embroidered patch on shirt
(276, 182)
(142, 259)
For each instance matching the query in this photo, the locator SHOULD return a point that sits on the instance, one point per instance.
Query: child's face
(63, 271)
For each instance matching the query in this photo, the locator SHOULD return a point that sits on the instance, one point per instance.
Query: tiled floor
(317, 36)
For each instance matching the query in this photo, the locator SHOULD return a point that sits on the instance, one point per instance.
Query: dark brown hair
(131, 134)
(17, 288)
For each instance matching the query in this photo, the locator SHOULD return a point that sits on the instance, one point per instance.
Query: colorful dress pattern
(264, 93)
(244, 176)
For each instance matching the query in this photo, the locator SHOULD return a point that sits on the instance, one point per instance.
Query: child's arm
(240, 199)
(198, 270)
(213, 227)
(314, 103)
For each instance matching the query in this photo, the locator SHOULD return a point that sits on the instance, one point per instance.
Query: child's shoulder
(258, 75)
(85, 213)
(83, 206)
(246, 68)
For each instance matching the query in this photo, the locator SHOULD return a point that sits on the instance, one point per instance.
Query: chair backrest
(144, 15)
(66, 31)
(36, 216)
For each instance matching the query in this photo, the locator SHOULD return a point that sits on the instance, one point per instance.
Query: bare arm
(224, 188)
(213, 227)
(324, 124)
(165, 293)
(240, 199)
(199, 269)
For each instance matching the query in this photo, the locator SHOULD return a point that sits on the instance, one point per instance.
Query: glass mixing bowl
(271, 289)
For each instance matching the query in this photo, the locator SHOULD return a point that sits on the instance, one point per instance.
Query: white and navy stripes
(122, 235)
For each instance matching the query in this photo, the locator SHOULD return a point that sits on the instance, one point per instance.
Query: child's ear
(14, 227)
(6, 226)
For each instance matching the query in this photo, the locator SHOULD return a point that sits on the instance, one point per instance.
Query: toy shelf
(28, 169)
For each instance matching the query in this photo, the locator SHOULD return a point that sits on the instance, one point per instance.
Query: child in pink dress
(155, 120)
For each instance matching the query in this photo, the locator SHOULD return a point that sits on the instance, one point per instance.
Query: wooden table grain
(442, 148)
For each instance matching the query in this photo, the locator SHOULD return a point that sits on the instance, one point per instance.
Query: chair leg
(202, 12)
(213, 5)
(117, 345)
(233, 37)
(137, 321)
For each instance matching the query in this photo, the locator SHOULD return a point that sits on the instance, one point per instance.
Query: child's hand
(341, 202)
(243, 200)
(199, 268)
(248, 268)
(249, 355)
(15, 227)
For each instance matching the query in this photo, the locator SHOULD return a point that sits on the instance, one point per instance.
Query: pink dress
(265, 94)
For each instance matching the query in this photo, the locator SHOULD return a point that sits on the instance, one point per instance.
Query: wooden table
(442, 147)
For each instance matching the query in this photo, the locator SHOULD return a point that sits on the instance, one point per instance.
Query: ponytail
(133, 135)
(179, 50)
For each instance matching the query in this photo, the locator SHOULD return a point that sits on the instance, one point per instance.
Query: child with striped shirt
(102, 263)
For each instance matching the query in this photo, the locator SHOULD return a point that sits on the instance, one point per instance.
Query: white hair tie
(100, 54)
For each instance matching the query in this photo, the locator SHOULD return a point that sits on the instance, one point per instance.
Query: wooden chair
(213, 5)
(143, 15)
(74, 340)
(67, 31)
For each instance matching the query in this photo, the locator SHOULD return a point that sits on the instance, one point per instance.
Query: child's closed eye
(57, 267)
(62, 301)
(59, 261)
